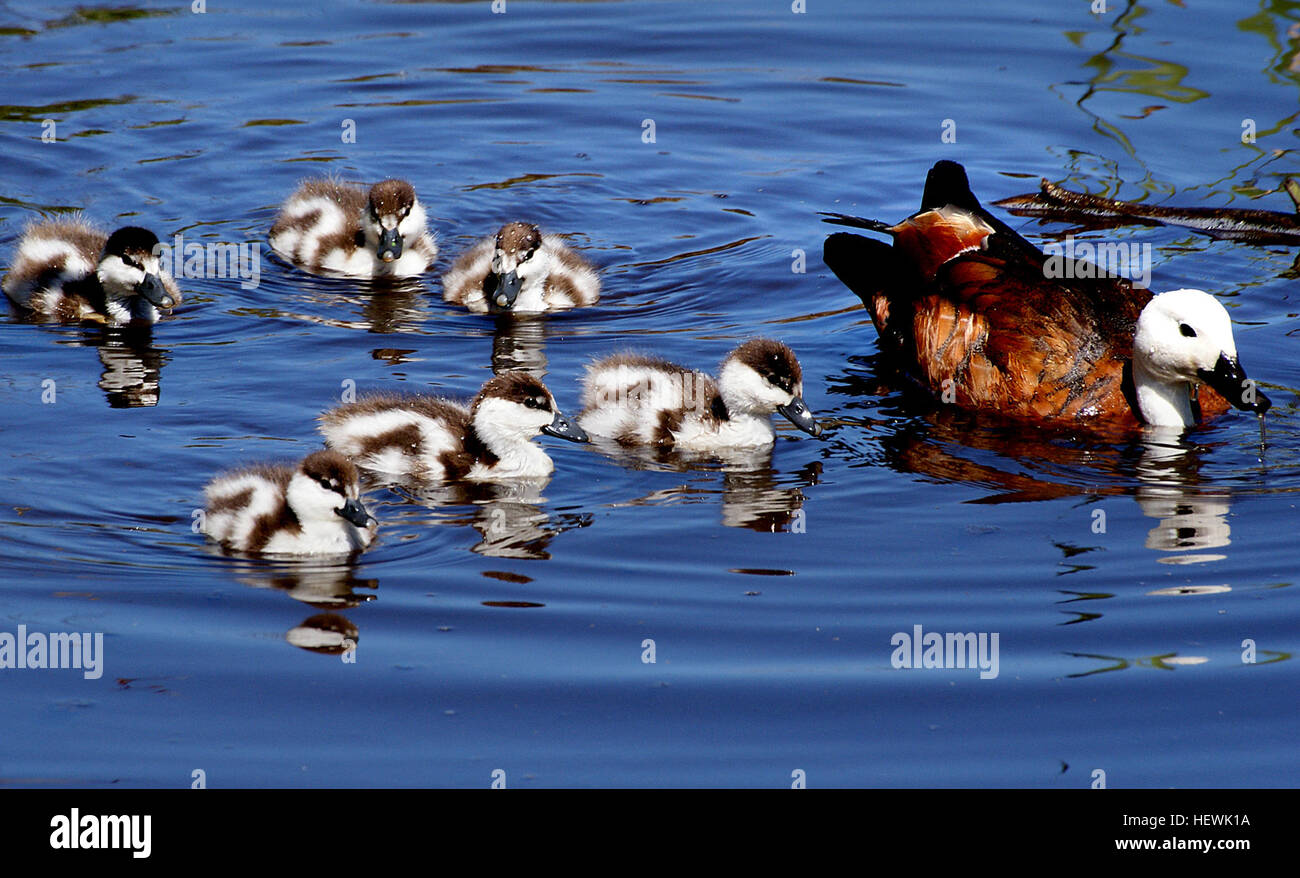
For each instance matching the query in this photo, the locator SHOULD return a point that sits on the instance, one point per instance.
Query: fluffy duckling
(328, 227)
(430, 438)
(973, 309)
(72, 271)
(523, 271)
(639, 400)
(280, 510)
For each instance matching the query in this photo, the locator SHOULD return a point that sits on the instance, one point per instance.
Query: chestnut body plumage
(972, 311)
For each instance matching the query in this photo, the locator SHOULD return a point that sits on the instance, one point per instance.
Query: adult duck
(976, 315)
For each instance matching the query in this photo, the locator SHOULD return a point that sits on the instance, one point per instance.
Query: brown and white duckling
(70, 270)
(328, 227)
(431, 438)
(280, 510)
(522, 271)
(640, 400)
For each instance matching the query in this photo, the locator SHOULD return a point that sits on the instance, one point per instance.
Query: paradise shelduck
(976, 314)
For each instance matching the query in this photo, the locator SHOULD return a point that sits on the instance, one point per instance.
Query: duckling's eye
(533, 402)
(127, 260)
(1187, 330)
(405, 211)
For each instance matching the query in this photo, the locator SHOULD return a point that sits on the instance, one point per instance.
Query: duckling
(72, 271)
(640, 400)
(523, 271)
(973, 312)
(430, 438)
(328, 227)
(279, 510)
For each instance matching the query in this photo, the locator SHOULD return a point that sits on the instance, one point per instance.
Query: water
(499, 630)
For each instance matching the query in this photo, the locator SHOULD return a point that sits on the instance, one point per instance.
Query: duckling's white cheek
(116, 275)
(412, 223)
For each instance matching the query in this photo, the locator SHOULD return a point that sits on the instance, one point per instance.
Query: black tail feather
(947, 184)
(864, 265)
(857, 222)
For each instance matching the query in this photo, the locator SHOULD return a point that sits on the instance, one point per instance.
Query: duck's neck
(1163, 403)
(515, 452)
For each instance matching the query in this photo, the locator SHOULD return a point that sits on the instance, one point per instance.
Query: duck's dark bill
(153, 291)
(799, 415)
(354, 512)
(561, 428)
(502, 290)
(390, 245)
(1229, 379)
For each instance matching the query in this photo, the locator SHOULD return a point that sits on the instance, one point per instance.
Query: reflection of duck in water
(523, 271)
(754, 495)
(969, 306)
(508, 515)
(327, 633)
(71, 271)
(519, 344)
(1192, 518)
(132, 369)
(323, 586)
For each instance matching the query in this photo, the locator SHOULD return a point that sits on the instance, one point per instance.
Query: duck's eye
(405, 211)
(533, 403)
(127, 260)
(1187, 330)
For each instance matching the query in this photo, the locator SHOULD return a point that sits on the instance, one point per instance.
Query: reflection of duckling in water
(132, 370)
(327, 633)
(519, 344)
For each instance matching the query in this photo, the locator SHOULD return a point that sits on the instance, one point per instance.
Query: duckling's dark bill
(354, 512)
(1229, 379)
(502, 290)
(390, 245)
(798, 414)
(153, 291)
(561, 428)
